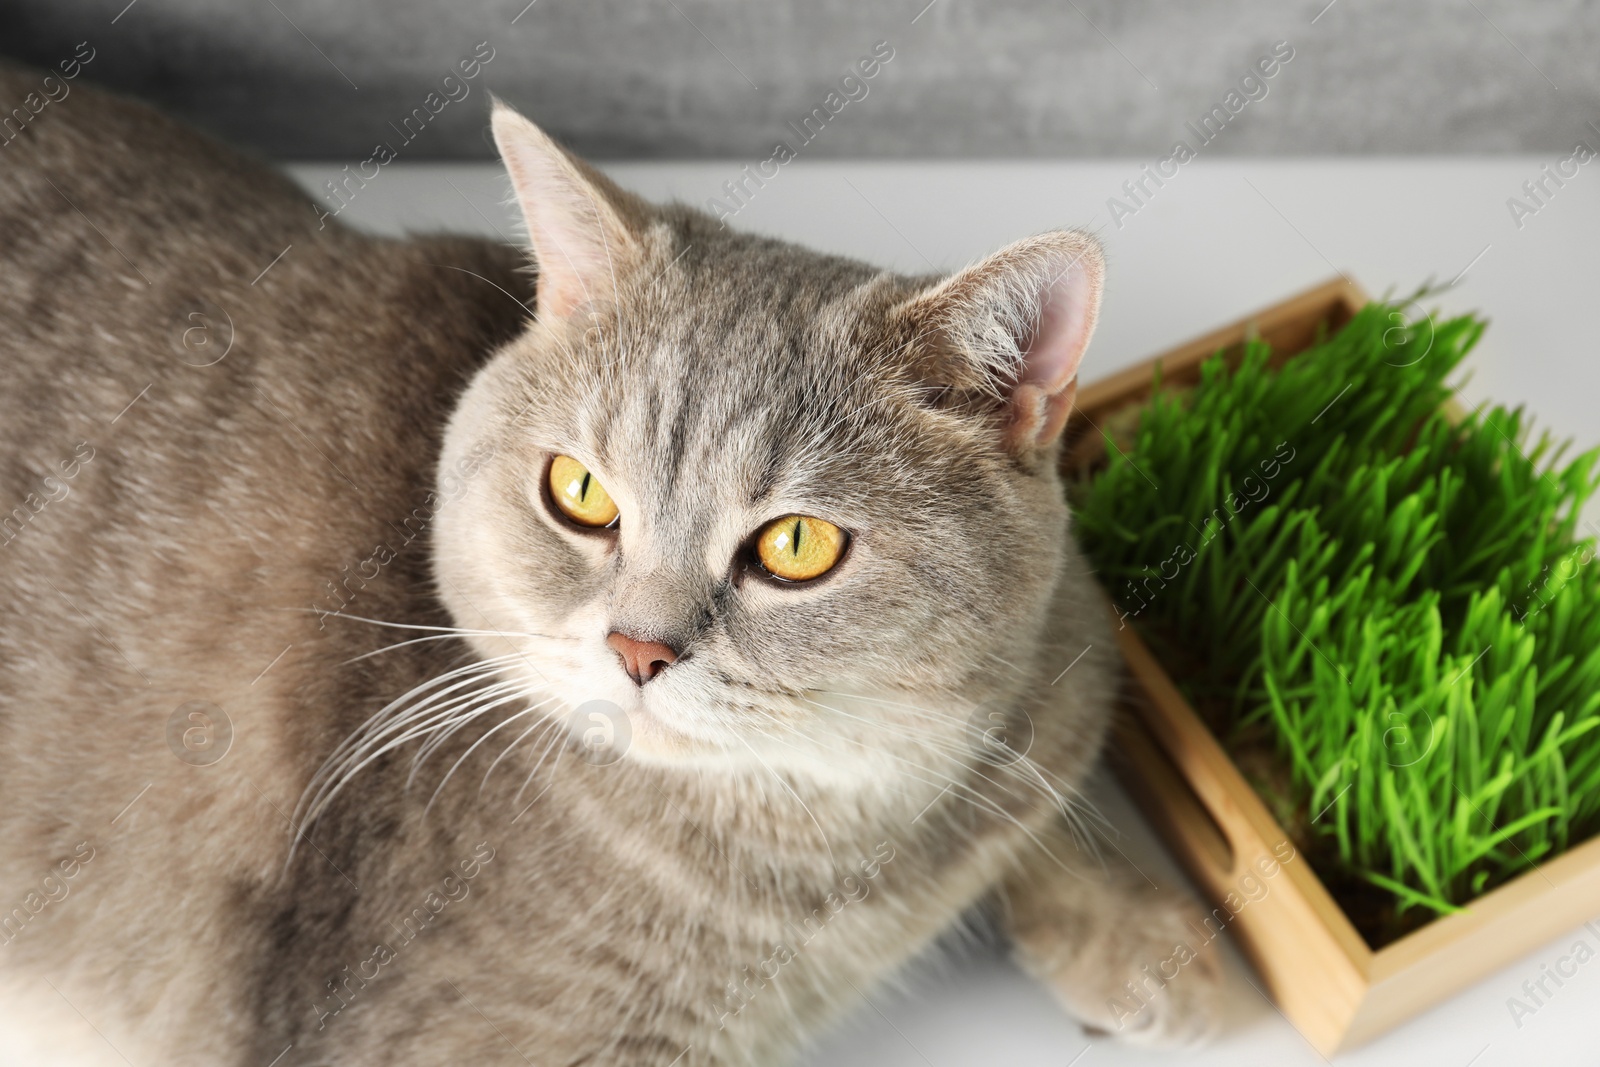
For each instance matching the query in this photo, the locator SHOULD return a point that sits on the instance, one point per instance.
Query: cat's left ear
(1016, 325)
(582, 228)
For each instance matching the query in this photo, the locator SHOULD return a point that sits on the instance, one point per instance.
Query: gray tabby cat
(395, 675)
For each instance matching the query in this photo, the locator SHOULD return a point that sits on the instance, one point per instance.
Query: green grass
(1390, 619)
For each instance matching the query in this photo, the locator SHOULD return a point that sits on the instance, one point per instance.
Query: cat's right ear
(582, 229)
(1011, 330)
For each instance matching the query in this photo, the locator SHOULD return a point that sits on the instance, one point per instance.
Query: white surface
(1221, 239)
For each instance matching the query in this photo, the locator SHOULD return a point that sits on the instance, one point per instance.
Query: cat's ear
(582, 229)
(1015, 325)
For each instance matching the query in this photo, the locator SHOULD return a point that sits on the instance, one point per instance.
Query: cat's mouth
(634, 722)
(654, 737)
(662, 727)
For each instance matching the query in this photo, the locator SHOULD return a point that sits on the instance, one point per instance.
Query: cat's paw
(1145, 973)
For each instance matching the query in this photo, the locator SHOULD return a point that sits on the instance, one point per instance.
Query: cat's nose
(643, 660)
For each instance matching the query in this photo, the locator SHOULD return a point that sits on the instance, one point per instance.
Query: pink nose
(643, 660)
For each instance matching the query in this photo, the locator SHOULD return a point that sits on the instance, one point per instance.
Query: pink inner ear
(1048, 385)
(566, 232)
(1066, 319)
(579, 244)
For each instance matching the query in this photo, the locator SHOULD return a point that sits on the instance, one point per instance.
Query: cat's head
(777, 507)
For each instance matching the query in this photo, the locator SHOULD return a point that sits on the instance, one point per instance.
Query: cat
(630, 649)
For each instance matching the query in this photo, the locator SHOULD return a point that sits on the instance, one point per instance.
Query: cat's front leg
(1122, 955)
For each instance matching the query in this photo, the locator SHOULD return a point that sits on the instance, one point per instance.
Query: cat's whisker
(959, 790)
(555, 743)
(426, 714)
(1073, 808)
(1065, 807)
(991, 654)
(393, 715)
(474, 746)
(400, 644)
(486, 281)
(760, 782)
(336, 769)
(445, 721)
(937, 718)
(958, 755)
(443, 729)
(546, 724)
(447, 637)
(412, 626)
(852, 743)
(368, 750)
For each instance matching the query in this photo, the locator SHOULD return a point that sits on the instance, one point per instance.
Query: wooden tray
(1320, 971)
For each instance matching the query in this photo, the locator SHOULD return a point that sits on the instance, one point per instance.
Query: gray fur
(807, 768)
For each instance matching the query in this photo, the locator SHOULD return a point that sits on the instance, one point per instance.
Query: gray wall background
(970, 78)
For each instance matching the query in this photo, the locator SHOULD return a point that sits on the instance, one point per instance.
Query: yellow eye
(798, 548)
(579, 494)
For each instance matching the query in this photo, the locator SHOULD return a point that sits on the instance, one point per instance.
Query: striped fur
(803, 807)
